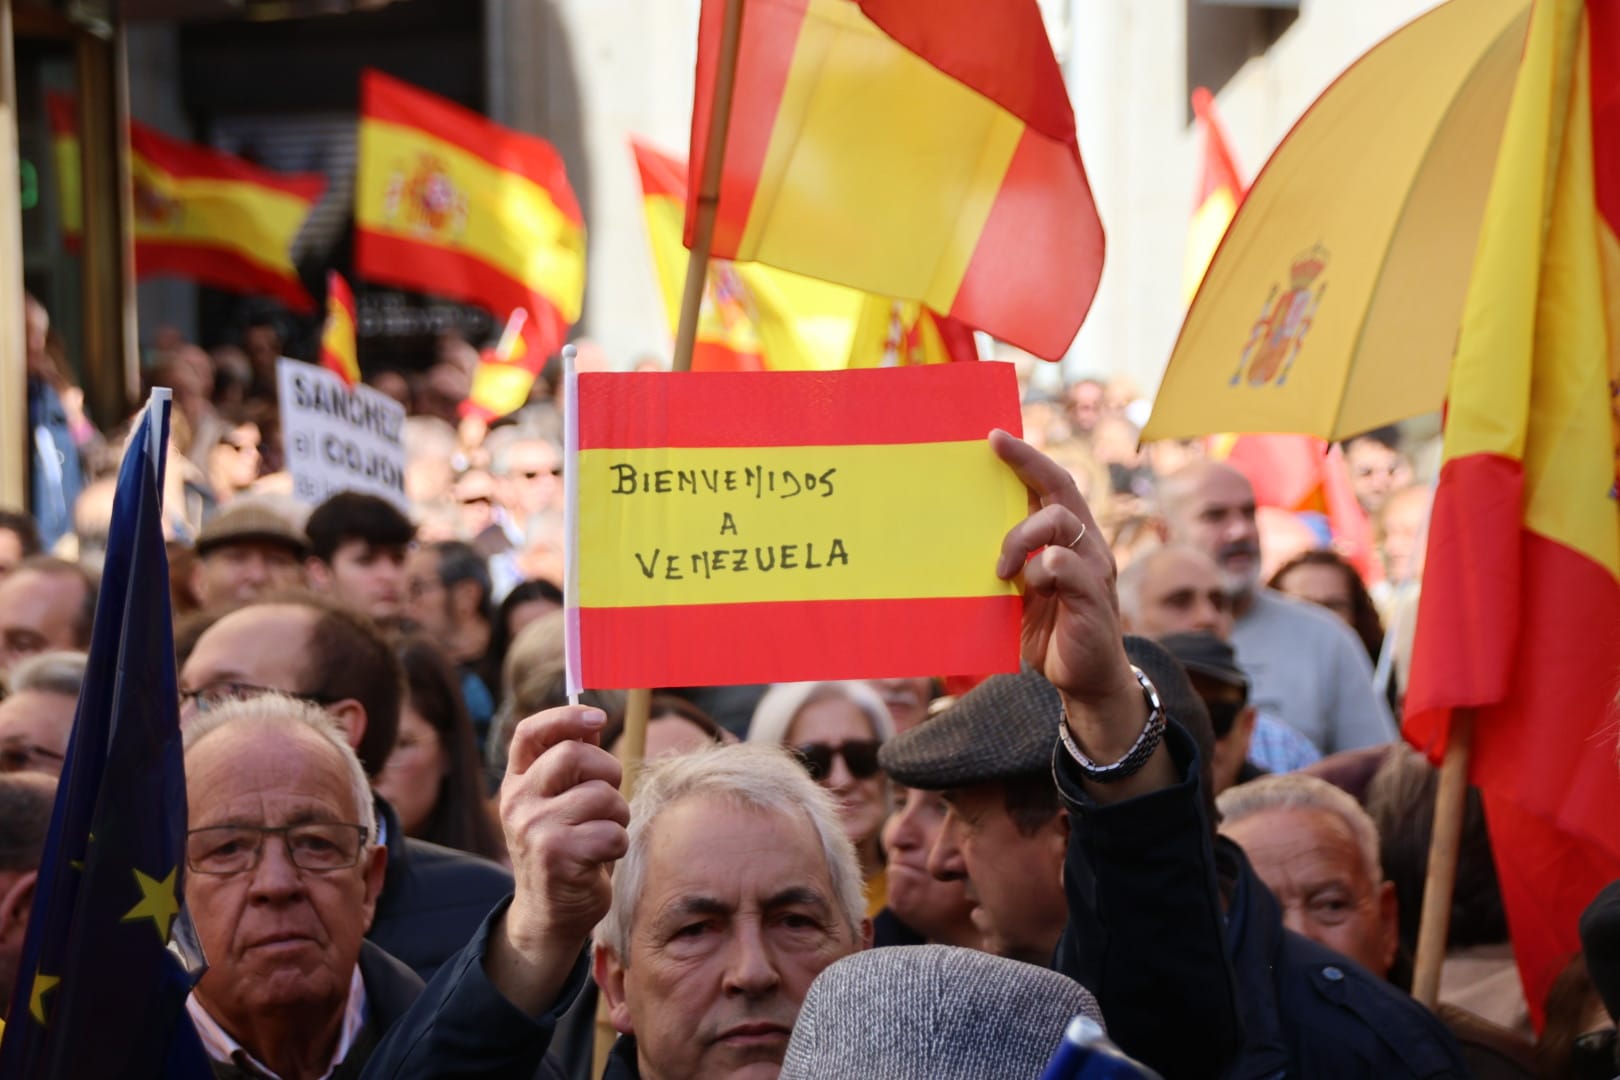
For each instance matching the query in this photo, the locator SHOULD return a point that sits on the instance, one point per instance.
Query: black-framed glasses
(318, 846)
(860, 757)
(216, 694)
(17, 755)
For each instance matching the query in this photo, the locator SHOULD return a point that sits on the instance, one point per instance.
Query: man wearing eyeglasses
(433, 898)
(283, 874)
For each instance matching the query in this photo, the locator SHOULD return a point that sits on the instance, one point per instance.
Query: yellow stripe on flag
(873, 485)
(923, 116)
(1534, 354)
(510, 222)
(255, 223)
(69, 192)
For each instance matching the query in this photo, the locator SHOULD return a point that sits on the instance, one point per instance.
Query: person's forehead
(33, 596)
(1307, 839)
(1221, 487)
(720, 848)
(1176, 570)
(254, 773)
(32, 712)
(831, 718)
(531, 452)
(10, 544)
(235, 646)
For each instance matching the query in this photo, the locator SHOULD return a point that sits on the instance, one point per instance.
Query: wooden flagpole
(633, 745)
(1450, 800)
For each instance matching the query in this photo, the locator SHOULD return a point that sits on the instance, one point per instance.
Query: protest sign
(339, 438)
(760, 527)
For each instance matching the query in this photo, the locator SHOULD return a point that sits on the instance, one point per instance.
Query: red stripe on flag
(185, 161)
(433, 269)
(1468, 629)
(1008, 281)
(1603, 34)
(771, 28)
(724, 644)
(221, 269)
(387, 99)
(863, 407)
(1524, 629)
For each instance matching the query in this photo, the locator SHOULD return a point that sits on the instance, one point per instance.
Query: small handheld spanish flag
(338, 351)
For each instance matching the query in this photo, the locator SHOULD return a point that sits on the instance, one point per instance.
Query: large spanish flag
(1520, 612)
(919, 151)
(450, 203)
(756, 317)
(739, 527)
(200, 213)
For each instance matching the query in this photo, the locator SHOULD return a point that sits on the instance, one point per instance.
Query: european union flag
(99, 994)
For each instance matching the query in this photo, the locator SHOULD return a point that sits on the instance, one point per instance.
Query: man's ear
(318, 574)
(375, 865)
(199, 582)
(1389, 914)
(15, 904)
(609, 976)
(1243, 728)
(349, 715)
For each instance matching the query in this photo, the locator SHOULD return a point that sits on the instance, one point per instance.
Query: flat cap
(932, 1012)
(1004, 727)
(1202, 653)
(250, 519)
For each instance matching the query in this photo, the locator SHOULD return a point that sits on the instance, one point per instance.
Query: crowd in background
(458, 601)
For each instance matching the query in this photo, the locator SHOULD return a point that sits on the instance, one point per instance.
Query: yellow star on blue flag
(158, 903)
(43, 984)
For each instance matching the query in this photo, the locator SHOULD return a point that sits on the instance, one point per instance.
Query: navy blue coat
(462, 1026)
(433, 898)
(1195, 987)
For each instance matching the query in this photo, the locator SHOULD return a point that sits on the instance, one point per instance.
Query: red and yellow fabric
(505, 374)
(1519, 619)
(216, 219)
(733, 527)
(920, 151)
(200, 213)
(338, 351)
(756, 317)
(450, 203)
(1219, 192)
(61, 113)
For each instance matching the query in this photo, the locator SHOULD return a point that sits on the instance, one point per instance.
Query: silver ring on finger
(1079, 536)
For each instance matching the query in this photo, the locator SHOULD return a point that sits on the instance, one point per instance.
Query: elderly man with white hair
(1317, 851)
(721, 893)
(283, 871)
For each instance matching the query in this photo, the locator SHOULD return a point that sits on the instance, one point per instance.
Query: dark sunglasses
(860, 758)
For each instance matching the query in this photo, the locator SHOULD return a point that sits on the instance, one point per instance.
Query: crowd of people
(1189, 817)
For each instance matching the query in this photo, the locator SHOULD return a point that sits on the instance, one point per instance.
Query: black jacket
(1195, 988)
(433, 898)
(462, 1026)
(391, 989)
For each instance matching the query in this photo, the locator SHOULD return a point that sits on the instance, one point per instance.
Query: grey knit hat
(932, 1012)
(1004, 727)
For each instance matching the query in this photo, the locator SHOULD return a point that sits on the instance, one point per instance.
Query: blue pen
(1086, 1054)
